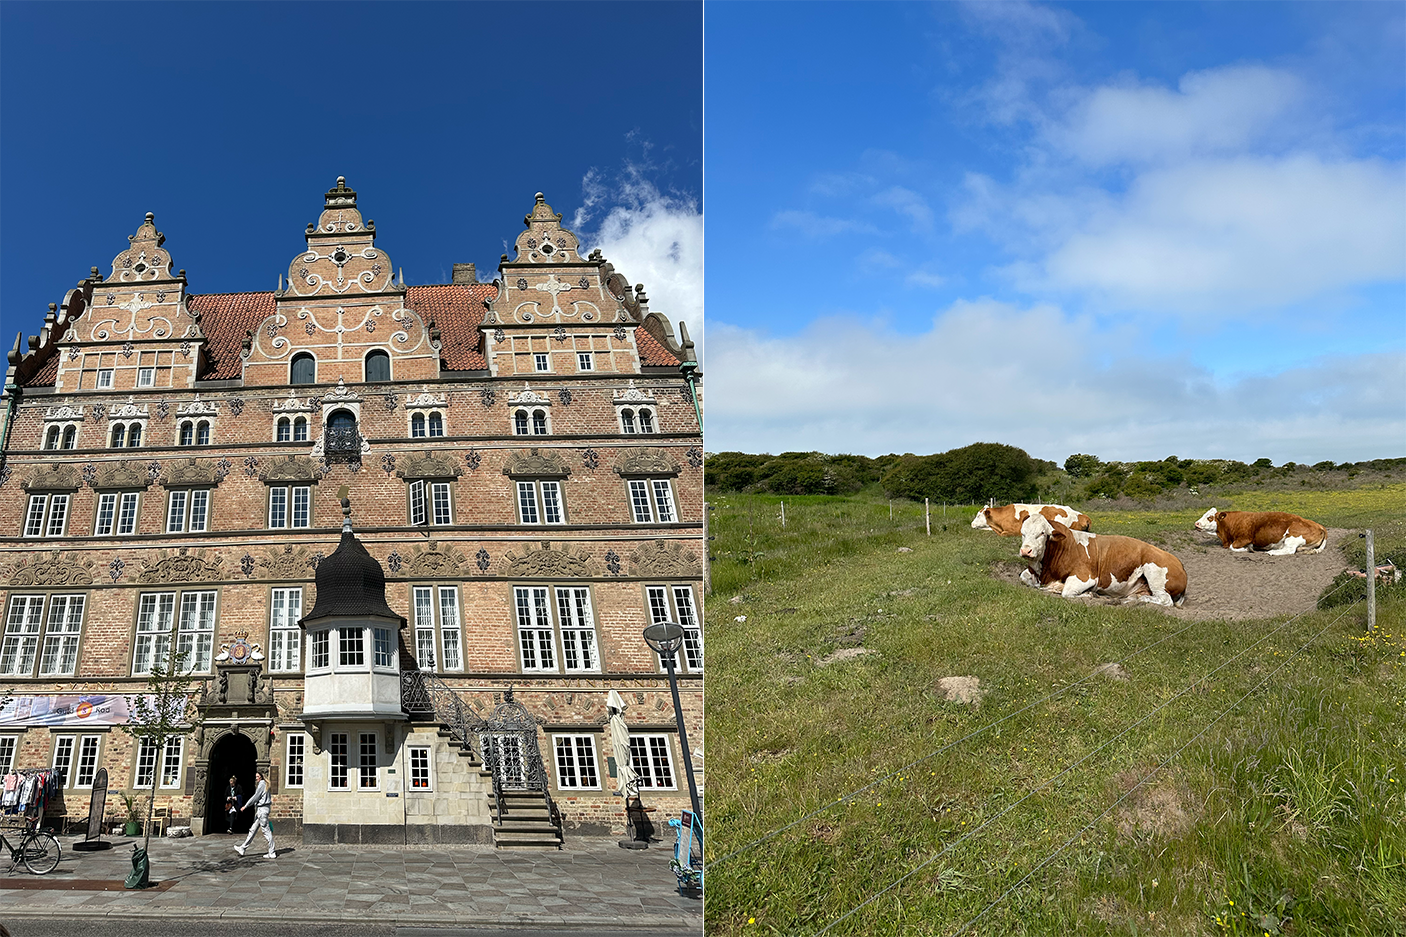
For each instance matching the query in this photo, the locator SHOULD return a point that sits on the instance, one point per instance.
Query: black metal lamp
(666, 638)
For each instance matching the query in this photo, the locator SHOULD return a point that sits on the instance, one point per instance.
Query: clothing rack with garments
(28, 790)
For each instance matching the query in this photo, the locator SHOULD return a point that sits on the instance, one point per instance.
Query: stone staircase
(523, 820)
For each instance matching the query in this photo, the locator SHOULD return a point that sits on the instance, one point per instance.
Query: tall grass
(1289, 804)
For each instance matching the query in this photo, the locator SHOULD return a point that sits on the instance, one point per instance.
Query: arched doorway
(233, 755)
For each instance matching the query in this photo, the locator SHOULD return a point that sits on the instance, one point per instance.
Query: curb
(655, 921)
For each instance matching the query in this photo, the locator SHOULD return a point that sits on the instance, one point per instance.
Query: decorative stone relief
(289, 563)
(64, 412)
(632, 395)
(429, 465)
(128, 410)
(198, 407)
(340, 394)
(119, 475)
(434, 560)
(56, 476)
(293, 404)
(533, 462)
(473, 460)
(426, 400)
(51, 569)
(549, 563)
(695, 457)
(290, 469)
(482, 560)
(190, 472)
(645, 462)
(665, 558)
(181, 567)
(529, 397)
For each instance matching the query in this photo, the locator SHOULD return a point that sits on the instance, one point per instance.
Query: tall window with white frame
(539, 501)
(442, 604)
(62, 764)
(652, 501)
(430, 503)
(149, 759)
(297, 754)
(653, 762)
(337, 777)
(419, 768)
(285, 638)
(194, 636)
(538, 647)
(290, 506)
(27, 629)
(675, 603)
(116, 513)
(47, 515)
(366, 778)
(9, 745)
(187, 510)
(87, 766)
(576, 762)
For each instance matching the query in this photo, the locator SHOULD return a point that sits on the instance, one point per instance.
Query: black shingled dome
(350, 582)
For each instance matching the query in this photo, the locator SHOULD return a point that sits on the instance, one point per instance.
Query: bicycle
(37, 849)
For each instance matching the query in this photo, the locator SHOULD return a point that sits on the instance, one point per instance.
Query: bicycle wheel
(41, 853)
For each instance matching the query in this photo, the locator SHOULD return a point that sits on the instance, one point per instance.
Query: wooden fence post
(927, 516)
(1371, 583)
(783, 515)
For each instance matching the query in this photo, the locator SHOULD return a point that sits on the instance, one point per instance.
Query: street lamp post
(666, 638)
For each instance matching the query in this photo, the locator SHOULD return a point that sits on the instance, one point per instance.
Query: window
(381, 638)
(51, 438)
(170, 763)
(47, 516)
(585, 361)
(146, 377)
(146, 764)
(9, 744)
(63, 758)
(436, 424)
(300, 429)
(290, 506)
(417, 425)
(297, 753)
(285, 608)
(683, 612)
(187, 437)
(285, 430)
(450, 643)
(652, 499)
(119, 436)
(366, 776)
(116, 514)
(297, 430)
(378, 366)
(576, 762)
(26, 627)
(537, 643)
(195, 635)
(541, 361)
(187, 510)
(627, 421)
(125, 434)
(337, 755)
(430, 503)
(105, 379)
(540, 503)
(532, 423)
(303, 370)
(70, 437)
(340, 436)
(87, 761)
(320, 651)
(646, 420)
(419, 768)
(202, 433)
(649, 756)
(351, 647)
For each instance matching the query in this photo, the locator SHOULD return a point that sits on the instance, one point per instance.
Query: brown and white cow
(1006, 519)
(1275, 532)
(1072, 562)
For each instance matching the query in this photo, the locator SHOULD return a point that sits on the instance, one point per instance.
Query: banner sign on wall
(93, 710)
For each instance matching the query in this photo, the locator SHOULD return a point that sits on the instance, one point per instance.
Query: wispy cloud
(811, 225)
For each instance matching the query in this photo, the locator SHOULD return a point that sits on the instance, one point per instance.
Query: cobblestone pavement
(590, 882)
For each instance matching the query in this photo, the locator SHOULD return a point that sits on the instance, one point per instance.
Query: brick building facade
(522, 458)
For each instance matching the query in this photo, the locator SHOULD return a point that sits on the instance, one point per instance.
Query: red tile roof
(48, 375)
(225, 317)
(652, 353)
(457, 308)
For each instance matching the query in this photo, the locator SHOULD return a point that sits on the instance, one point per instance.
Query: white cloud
(925, 279)
(813, 225)
(652, 238)
(1035, 378)
(909, 204)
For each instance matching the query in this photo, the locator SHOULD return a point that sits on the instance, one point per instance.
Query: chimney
(464, 273)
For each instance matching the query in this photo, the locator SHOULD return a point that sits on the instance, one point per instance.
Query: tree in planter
(166, 711)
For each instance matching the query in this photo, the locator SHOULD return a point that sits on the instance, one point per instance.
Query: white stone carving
(632, 395)
(198, 407)
(529, 396)
(65, 412)
(339, 394)
(293, 404)
(123, 411)
(426, 400)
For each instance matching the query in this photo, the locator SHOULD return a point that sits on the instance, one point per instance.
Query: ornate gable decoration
(632, 395)
(293, 404)
(51, 569)
(645, 462)
(533, 462)
(128, 410)
(529, 396)
(291, 469)
(191, 472)
(545, 241)
(665, 558)
(64, 412)
(120, 475)
(549, 563)
(198, 407)
(434, 560)
(181, 567)
(430, 465)
(340, 394)
(141, 299)
(341, 258)
(56, 476)
(425, 400)
(289, 564)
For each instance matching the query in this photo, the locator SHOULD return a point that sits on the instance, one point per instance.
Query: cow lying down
(1006, 519)
(1275, 532)
(1072, 562)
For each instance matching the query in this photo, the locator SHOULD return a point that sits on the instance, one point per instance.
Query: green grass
(1291, 804)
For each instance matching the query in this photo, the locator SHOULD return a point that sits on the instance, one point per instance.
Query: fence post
(890, 509)
(707, 552)
(1371, 583)
(783, 515)
(927, 517)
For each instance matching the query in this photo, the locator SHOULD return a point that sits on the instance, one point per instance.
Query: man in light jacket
(261, 802)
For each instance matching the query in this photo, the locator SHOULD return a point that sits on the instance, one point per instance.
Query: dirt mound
(1222, 584)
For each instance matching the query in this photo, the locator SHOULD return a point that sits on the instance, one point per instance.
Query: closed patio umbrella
(627, 782)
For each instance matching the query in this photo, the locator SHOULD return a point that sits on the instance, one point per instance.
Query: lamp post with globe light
(666, 638)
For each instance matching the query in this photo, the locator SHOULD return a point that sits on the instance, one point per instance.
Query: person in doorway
(261, 802)
(234, 794)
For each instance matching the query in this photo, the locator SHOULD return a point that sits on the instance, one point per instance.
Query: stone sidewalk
(592, 881)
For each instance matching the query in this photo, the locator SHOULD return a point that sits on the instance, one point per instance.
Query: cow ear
(1058, 533)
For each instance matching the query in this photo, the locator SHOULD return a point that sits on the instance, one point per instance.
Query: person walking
(233, 795)
(261, 802)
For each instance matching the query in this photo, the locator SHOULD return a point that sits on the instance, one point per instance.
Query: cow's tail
(1180, 600)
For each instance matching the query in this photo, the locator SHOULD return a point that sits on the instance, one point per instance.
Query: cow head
(1208, 521)
(1035, 532)
(982, 519)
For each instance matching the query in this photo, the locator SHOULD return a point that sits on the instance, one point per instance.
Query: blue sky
(1121, 228)
(230, 121)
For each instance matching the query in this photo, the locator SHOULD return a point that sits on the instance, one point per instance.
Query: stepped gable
(350, 581)
(225, 318)
(457, 310)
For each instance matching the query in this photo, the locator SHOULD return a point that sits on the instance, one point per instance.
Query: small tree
(166, 711)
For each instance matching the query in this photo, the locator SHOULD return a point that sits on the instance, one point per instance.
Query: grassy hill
(1236, 777)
